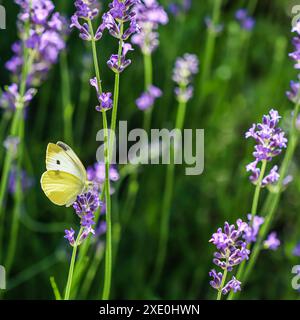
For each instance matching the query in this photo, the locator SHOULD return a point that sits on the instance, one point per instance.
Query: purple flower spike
(296, 42)
(117, 64)
(149, 15)
(272, 242)
(86, 203)
(185, 68)
(293, 94)
(106, 102)
(46, 39)
(246, 22)
(270, 140)
(85, 207)
(11, 98)
(86, 9)
(120, 12)
(70, 236)
(250, 233)
(231, 251)
(11, 144)
(84, 30)
(217, 279)
(233, 285)
(147, 99)
(296, 251)
(272, 177)
(104, 98)
(96, 174)
(25, 181)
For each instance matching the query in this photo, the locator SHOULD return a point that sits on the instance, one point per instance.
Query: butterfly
(66, 177)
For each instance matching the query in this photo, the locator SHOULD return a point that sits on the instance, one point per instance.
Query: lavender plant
(120, 22)
(273, 198)
(232, 250)
(85, 207)
(96, 176)
(245, 20)
(149, 16)
(270, 141)
(185, 68)
(41, 32)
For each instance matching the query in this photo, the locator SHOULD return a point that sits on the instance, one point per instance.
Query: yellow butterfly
(65, 177)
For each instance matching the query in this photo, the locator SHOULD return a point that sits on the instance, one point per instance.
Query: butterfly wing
(61, 157)
(61, 187)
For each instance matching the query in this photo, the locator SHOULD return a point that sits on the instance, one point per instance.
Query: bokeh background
(246, 74)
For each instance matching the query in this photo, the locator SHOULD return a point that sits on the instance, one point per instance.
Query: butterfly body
(65, 177)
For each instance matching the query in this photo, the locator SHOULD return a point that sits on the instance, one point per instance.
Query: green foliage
(249, 74)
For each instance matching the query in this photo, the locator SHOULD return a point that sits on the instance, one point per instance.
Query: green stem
(219, 296)
(95, 57)
(133, 186)
(67, 106)
(148, 82)
(91, 272)
(56, 292)
(108, 157)
(166, 206)
(108, 142)
(255, 200)
(108, 251)
(210, 44)
(72, 264)
(18, 118)
(257, 191)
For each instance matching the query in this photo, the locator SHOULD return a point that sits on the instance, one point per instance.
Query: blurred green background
(248, 73)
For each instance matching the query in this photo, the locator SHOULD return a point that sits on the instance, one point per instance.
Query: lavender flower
(213, 28)
(293, 94)
(101, 229)
(120, 12)
(45, 39)
(177, 8)
(296, 54)
(185, 68)
(272, 242)
(26, 182)
(104, 98)
(217, 279)
(96, 174)
(117, 64)
(147, 99)
(85, 207)
(296, 251)
(86, 10)
(270, 140)
(251, 232)
(11, 98)
(233, 285)
(246, 22)
(70, 236)
(11, 144)
(86, 203)
(232, 250)
(149, 16)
